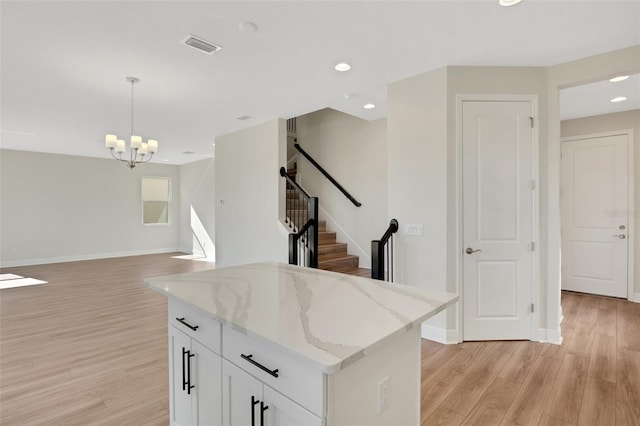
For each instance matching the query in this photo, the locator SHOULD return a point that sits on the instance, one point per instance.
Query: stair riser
(326, 238)
(331, 252)
(339, 265)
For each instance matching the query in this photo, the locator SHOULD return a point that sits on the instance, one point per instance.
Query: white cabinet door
(179, 400)
(281, 411)
(206, 375)
(241, 397)
(195, 389)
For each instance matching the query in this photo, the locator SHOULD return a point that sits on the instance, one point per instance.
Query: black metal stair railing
(382, 254)
(302, 218)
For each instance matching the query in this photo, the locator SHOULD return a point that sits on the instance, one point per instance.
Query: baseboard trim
(549, 335)
(636, 298)
(93, 256)
(440, 335)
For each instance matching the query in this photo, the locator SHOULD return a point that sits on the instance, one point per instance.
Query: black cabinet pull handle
(254, 401)
(189, 385)
(249, 358)
(263, 408)
(184, 375)
(181, 320)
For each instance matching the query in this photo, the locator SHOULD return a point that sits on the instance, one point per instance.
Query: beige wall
(197, 208)
(57, 208)
(353, 151)
(249, 194)
(570, 74)
(423, 173)
(418, 167)
(628, 120)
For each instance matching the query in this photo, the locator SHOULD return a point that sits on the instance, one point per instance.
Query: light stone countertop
(324, 318)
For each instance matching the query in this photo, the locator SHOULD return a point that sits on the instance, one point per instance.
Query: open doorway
(598, 217)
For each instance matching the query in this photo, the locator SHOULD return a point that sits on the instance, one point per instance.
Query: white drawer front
(295, 379)
(185, 318)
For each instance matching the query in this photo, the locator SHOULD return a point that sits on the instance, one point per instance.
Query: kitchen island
(276, 344)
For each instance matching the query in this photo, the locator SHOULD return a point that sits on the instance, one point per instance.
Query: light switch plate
(413, 230)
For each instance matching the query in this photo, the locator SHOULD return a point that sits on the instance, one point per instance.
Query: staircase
(332, 255)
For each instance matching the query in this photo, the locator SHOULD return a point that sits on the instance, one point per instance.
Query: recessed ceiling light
(342, 67)
(188, 152)
(166, 160)
(368, 106)
(509, 2)
(619, 99)
(243, 117)
(619, 78)
(349, 95)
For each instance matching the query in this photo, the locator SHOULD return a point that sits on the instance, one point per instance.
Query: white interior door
(595, 215)
(497, 188)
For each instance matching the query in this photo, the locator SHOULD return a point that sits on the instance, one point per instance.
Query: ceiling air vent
(201, 44)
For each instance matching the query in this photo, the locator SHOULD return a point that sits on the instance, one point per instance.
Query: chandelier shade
(138, 150)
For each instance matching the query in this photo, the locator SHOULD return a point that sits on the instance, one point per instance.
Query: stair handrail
(378, 259)
(284, 174)
(303, 241)
(326, 174)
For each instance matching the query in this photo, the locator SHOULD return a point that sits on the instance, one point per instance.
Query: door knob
(621, 236)
(469, 250)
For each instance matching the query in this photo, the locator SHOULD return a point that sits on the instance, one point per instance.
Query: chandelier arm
(116, 158)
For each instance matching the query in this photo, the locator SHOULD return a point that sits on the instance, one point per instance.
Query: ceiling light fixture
(619, 78)
(368, 106)
(137, 147)
(342, 67)
(619, 99)
(507, 3)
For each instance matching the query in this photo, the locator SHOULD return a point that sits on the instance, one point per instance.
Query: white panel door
(207, 392)
(241, 397)
(595, 215)
(179, 400)
(497, 142)
(284, 412)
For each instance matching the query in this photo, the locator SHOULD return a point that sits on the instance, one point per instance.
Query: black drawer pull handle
(182, 321)
(249, 358)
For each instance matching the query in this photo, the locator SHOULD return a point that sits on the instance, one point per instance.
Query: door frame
(536, 333)
(630, 202)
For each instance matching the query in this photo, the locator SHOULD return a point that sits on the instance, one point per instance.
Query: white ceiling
(595, 98)
(64, 63)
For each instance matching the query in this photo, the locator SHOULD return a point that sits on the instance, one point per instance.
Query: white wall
(423, 171)
(59, 208)
(613, 122)
(353, 151)
(197, 208)
(570, 74)
(417, 167)
(249, 195)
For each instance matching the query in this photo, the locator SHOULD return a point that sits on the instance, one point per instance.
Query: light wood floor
(90, 348)
(593, 378)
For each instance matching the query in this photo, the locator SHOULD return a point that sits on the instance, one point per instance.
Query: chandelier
(138, 149)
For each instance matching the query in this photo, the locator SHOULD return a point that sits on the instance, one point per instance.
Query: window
(156, 197)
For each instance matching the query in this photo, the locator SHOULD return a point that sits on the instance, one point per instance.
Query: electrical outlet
(384, 394)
